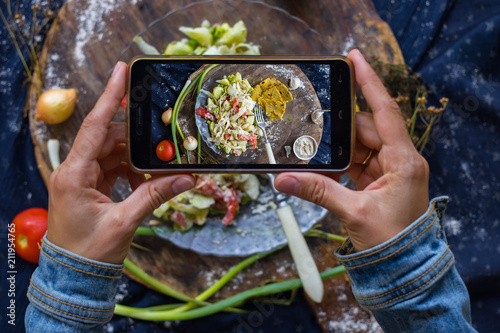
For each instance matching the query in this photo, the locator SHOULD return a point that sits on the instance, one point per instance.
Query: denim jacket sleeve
(410, 282)
(70, 293)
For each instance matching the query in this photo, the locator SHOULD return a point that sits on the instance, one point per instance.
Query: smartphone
(240, 114)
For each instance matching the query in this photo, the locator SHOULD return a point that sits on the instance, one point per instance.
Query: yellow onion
(166, 117)
(55, 105)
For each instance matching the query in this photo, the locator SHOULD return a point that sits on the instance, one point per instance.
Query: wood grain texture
(81, 53)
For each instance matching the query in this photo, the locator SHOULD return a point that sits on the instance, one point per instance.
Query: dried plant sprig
(26, 38)
(409, 91)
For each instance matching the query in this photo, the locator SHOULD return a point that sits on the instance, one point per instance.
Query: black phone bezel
(139, 114)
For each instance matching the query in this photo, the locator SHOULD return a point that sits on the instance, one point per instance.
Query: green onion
(325, 235)
(164, 289)
(175, 112)
(268, 289)
(225, 279)
(203, 76)
(177, 105)
(144, 231)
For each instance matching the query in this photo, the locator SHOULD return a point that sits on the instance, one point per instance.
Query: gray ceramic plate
(257, 229)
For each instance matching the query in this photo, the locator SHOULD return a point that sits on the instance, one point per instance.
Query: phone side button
(138, 118)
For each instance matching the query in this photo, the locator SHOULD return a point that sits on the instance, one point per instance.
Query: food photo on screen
(244, 113)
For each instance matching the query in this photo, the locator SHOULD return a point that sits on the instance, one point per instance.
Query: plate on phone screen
(280, 132)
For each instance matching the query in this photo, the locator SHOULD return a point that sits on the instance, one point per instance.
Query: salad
(230, 117)
(212, 194)
(217, 39)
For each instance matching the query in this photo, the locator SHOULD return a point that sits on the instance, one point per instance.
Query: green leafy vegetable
(213, 40)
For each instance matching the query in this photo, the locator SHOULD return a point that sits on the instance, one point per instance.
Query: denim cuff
(73, 289)
(402, 267)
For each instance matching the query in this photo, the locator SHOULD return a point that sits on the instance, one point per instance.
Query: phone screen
(245, 114)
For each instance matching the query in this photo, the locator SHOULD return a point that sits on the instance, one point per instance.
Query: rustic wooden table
(88, 38)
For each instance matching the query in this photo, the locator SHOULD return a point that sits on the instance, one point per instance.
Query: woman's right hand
(390, 175)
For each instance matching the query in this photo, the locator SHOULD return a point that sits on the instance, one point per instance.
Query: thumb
(152, 193)
(316, 188)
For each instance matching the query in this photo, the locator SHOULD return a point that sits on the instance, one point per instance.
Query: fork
(301, 255)
(259, 116)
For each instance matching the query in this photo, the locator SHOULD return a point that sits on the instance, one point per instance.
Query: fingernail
(115, 70)
(359, 54)
(289, 185)
(182, 184)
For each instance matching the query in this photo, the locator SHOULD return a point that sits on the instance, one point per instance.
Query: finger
(107, 182)
(152, 193)
(366, 132)
(114, 159)
(93, 132)
(109, 178)
(135, 179)
(116, 135)
(361, 153)
(364, 175)
(318, 189)
(387, 115)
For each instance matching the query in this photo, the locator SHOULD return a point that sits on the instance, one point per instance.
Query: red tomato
(232, 206)
(236, 109)
(123, 103)
(29, 227)
(253, 141)
(165, 150)
(204, 113)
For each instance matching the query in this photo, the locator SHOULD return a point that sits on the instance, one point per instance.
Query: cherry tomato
(165, 150)
(123, 103)
(29, 227)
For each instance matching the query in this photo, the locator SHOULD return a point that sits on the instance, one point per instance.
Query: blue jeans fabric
(70, 293)
(410, 282)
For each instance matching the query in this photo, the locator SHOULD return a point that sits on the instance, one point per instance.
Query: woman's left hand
(82, 217)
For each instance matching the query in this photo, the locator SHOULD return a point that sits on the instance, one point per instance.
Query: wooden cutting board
(89, 36)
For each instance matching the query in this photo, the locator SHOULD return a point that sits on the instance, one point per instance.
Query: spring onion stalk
(145, 47)
(163, 307)
(203, 76)
(163, 288)
(325, 235)
(144, 231)
(175, 113)
(198, 150)
(268, 289)
(279, 301)
(53, 149)
(225, 279)
(177, 105)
